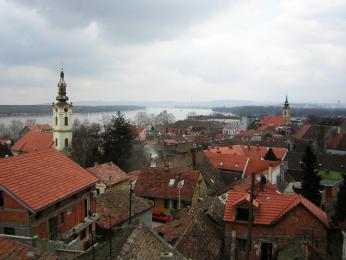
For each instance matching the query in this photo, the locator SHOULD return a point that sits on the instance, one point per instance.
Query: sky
(184, 50)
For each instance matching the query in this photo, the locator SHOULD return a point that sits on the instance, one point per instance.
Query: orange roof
(39, 179)
(35, 140)
(253, 151)
(237, 163)
(11, 249)
(4, 141)
(302, 131)
(336, 140)
(226, 161)
(273, 120)
(272, 207)
(108, 173)
(245, 134)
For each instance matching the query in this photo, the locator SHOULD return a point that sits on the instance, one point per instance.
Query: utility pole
(130, 202)
(250, 218)
(110, 236)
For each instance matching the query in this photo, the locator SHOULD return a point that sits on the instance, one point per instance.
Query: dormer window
(242, 213)
(171, 182)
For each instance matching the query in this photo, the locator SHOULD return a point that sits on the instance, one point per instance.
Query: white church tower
(62, 118)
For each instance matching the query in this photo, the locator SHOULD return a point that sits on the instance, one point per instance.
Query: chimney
(96, 163)
(152, 163)
(257, 146)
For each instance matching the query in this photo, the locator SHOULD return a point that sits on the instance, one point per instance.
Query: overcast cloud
(173, 50)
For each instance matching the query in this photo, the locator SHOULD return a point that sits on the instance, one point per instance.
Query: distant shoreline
(38, 110)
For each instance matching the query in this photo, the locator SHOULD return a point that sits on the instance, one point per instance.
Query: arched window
(66, 142)
(56, 141)
(56, 120)
(66, 120)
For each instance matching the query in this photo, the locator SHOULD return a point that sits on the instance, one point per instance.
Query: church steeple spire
(62, 97)
(286, 102)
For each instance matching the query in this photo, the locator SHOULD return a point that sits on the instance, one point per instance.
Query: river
(179, 113)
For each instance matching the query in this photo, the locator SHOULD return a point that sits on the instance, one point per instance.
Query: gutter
(244, 171)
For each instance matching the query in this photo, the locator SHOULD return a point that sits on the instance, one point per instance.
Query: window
(56, 141)
(66, 142)
(9, 231)
(62, 218)
(170, 204)
(56, 120)
(242, 214)
(66, 120)
(1, 199)
(241, 244)
(171, 182)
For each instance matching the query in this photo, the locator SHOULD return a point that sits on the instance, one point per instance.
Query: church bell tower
(62, 118)
(286, 110)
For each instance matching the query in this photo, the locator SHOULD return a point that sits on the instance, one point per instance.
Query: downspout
(244, 171)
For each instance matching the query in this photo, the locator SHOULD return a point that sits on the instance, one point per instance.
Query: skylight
(171, 182)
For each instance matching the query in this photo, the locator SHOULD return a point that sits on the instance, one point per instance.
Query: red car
(160, 216)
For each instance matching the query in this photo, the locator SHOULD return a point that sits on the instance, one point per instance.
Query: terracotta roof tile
(154, 183)
(41, 178)
(11, 249)
(272, 207)
(108, 173)
(273, 120)
(302, 131)
(136, 129)
(238, 163)
(338, 142)
(253, 151)
(35, 140)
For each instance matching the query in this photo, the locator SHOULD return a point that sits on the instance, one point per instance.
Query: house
(203, 220)
(134, 242)
(139, 133)
(167, 186)
(113, 209)
(47, 194)
(281, 224)
(36, 138)
(12, 249)
(109, 176)
(232, 129)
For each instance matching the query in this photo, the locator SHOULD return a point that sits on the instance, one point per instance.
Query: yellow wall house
(167, 186)
(109, 176)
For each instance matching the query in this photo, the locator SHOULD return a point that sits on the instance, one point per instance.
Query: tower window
(56, 120)
(66, 142)
(66, 120)
(56, 141)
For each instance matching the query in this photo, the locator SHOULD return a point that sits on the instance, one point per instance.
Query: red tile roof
(272, 207)
(253, 151)
(154, 183)
(245, 134)
(39, 179)
(302, 131)
(11, 249)
(338, 142)
(37, 139)
(237, 163)
(108, 173)
(273, 120)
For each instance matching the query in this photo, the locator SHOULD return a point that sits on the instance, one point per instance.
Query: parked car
(160, 216)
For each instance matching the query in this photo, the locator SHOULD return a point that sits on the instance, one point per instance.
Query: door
(266, 251)
(53, 228)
